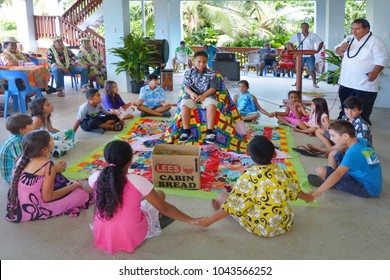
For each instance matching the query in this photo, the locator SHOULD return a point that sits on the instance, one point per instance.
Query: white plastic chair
(182, 58)
(253, 60)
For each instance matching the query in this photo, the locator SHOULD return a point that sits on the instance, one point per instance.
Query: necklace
(13, 56)
(58, 61)
(92, 60)
(359, 48)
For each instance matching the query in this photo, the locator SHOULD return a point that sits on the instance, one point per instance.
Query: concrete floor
(344, 227)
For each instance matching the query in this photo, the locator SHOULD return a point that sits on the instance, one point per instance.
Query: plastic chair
(18, 95)
(268, 67)
(73, 78)
(181, 58)
(253, 60)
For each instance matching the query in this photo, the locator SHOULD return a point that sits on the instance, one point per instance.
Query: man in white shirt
(365, 56)
(306, 40)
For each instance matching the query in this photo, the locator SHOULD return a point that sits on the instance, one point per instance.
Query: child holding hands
(259, 199)
(247, 103)
(295, 111)
(127, 206)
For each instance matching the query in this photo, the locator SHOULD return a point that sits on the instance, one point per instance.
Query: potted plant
(134, 56)
(331, 75)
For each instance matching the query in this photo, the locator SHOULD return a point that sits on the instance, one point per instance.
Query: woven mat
(220, 169)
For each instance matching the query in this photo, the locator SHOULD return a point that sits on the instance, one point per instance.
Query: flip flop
(310, 153)
(314, 180)
(165, 221)
(300, 148)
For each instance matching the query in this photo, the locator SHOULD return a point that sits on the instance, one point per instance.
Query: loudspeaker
(162, 48)
(230, 69)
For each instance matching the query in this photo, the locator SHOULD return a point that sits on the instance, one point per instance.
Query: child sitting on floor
(41, 109)
(127, 206)
(10, 151)
(259, 199)
(113, 102)
(247, 103)
(353, 107)
(200, 85)
(94, 117)
(152, 99)
(295, 111)
(318, 117)
(358, 171)
(35, 192)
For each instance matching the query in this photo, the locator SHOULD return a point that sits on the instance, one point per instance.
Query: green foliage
(334, 61)
(7, 25)
(135, 54)
(353, 10)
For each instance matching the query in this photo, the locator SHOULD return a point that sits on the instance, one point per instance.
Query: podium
(298, 65)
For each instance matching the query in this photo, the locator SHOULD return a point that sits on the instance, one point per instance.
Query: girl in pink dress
(318, 117)
(295, 111)
(127, 206)
(38, 191)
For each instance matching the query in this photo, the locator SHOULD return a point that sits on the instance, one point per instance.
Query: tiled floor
(344, 227)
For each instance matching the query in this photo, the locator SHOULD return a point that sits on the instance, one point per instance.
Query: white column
(116, 25)
(25, 24)
(377, 13)
(335, 18)
(320, 19)
(168, 24)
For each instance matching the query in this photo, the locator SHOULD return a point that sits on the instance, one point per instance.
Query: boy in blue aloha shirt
(152, 99)
(358, 172)
(18, 125)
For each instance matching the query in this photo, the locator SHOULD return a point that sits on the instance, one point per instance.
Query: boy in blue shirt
(152, 99)
(18, 125)
(358, 171)
(92, 116)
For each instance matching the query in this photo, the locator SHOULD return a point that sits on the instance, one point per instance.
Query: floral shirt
(200, 82)
(51, 58)
(259, 199)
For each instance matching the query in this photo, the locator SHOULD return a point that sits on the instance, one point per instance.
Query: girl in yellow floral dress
(259, 198)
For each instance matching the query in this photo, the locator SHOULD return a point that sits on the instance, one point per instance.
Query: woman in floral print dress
(259, 199)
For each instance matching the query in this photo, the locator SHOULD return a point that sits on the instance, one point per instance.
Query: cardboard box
(176, 166)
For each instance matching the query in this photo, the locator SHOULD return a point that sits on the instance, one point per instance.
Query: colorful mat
(220, 169)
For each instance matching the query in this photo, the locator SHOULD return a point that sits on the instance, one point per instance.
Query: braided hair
(112, 179)
(32, 146)
(36, 109)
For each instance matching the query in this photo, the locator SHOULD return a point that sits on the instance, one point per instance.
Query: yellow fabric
(259, 199)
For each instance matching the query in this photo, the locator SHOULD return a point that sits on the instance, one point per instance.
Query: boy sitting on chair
(200, 86)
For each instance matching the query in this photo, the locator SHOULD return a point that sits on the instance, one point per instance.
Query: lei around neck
(14, 57)
(58, 61)
(94, 59)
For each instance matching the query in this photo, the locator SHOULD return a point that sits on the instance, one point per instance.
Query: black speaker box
(230, 69)
(225, 56)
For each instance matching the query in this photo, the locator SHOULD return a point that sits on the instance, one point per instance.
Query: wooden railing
(81, 10)
(46, 28)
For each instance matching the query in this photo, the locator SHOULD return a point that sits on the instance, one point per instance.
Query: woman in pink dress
(38, 190)
(123, 218)
(287, 60)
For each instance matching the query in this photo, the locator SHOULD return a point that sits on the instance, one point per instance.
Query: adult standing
(211, 50)
(306, 40)
(268, 58)
(365, 56)
(182, 49)
(63, 62)
(91, 60)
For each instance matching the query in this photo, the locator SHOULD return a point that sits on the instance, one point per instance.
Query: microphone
(348, 40)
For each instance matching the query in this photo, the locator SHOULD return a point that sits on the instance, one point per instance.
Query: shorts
(270, 62)
(310, 63)
(88, 124)
(191, 103)
(152, 218)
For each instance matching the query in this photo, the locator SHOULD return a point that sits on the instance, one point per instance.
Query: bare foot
(216, 205)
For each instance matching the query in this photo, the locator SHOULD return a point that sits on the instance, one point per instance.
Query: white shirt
(311, 42)
(354, 69)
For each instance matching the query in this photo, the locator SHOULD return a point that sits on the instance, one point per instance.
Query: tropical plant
(134, 56)
(333, 73)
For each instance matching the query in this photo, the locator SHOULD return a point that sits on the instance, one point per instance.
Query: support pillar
(25, 24)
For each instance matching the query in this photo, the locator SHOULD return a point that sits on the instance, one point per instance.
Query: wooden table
(298, 65)
(38, 76)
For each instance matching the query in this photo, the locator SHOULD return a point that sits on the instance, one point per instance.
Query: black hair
(353, 102)
(108, 88)
(90, 92)
(305, 23)
(363, 22)
(182, 43)
(36, 109)
(201, 53)
(297, 92)
(112, 179)
(261, 150)
(33, 144)
(152, 77)
(321, 107)
(341, 127)
(245, 82)
(17, 122)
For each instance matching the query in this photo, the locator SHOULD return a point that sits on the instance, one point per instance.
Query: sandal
(60, 93)
(118, 127)
(305, 151)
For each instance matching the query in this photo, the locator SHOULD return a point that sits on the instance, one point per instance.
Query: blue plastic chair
(268, 67)
(18, 95)
(72, 76)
